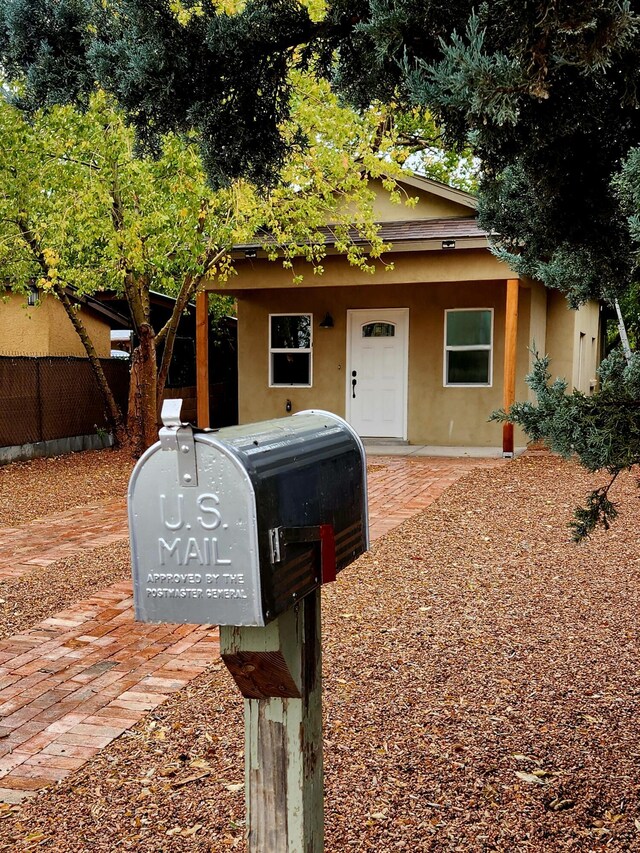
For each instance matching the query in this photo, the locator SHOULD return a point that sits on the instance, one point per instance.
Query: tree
(548, 95)
(81, 209)
(525, 83)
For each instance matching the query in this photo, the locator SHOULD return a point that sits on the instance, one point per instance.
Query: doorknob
(354, 382)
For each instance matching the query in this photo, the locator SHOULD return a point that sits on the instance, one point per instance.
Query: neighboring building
(44, 329)
(421, 353)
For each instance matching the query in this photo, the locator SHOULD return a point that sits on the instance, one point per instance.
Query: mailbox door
(194, 547)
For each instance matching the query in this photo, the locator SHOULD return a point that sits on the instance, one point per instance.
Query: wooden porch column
(202, 358)
(510, 353)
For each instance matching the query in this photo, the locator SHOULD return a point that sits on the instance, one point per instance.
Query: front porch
(393, 360)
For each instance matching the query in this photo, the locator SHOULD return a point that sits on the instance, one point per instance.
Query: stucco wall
(573, 342)
(429, 206)
(436, 415)
(45, 329)
(586, 347)
(561, 323)
(417, 267)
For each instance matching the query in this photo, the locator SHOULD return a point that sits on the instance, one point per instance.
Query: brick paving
(43, 541)
(82, 677)
(401, 486)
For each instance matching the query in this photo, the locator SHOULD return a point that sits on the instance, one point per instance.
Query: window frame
(277, 350)
(467, 348)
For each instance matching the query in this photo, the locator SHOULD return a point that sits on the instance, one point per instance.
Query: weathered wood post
(278, 671)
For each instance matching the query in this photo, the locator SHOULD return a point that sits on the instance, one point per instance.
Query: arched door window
(378, 330)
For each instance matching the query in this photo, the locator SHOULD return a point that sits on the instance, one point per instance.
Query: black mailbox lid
(308, 469)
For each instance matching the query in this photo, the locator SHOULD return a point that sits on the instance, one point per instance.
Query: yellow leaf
(528, 777)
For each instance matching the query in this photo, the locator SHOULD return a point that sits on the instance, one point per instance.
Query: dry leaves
(34, 489)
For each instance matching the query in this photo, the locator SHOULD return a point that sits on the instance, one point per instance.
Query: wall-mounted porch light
(327, 323)
(448, 244)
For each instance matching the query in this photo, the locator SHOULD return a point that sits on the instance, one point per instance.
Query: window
(378, 330)
(290, 342)
(468, 346)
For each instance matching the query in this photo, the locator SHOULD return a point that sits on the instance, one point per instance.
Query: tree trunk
(114, 414)
(624, 340)
(143, 417)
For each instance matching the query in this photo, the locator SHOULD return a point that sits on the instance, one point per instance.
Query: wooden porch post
(510, 353)
(202, 359)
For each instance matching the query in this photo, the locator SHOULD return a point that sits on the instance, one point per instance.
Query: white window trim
(474, 348)
(274, 350)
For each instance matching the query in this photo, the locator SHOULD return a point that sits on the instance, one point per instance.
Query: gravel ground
(61, 482)
(27, 600)
(482, 687)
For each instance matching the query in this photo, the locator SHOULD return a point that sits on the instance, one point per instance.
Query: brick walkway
(79, 529)
(401, 486)
(82, 677)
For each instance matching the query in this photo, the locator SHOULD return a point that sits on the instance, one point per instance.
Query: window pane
(378, 330)
(291, 332)
(468, 328)
(468, 367)
(291, 368)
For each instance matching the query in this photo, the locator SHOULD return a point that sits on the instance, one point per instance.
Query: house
(421, 353)
(40, 327)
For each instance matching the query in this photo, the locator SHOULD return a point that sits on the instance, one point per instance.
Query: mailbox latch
(280, 537)
(178, 438)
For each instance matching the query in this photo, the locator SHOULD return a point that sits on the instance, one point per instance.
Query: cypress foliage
(602, 430)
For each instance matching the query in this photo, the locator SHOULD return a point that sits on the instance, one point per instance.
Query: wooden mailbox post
(240, 528)
(279, 672)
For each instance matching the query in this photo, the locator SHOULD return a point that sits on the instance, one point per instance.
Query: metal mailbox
(234, 526)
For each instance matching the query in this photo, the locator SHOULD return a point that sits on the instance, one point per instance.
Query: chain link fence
(53, 397)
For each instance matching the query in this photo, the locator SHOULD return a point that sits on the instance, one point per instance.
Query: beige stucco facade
(427, 279)
(436, 414)
(45, 329)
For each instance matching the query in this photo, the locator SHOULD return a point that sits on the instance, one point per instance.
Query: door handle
(354, 382)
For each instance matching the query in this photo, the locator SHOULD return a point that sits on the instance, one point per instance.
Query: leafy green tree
(545, 93)
(80, 208)
(549, 95)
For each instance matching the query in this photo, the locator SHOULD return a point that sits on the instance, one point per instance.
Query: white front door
(377, 358)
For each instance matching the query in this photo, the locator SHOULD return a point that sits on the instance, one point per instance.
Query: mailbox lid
(307, 470)
(194, 547)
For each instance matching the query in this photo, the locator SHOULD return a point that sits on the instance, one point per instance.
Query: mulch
(40, 487)
(482, 690)
(45, 590)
